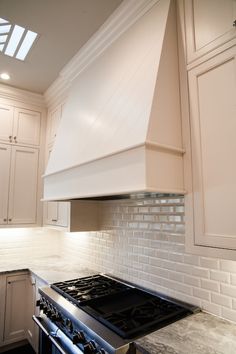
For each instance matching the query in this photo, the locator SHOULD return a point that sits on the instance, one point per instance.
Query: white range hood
(120, 131)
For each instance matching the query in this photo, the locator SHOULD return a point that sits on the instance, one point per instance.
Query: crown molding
(121, 19)
(12, 93)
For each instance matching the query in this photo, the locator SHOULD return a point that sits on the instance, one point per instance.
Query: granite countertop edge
(49, 269)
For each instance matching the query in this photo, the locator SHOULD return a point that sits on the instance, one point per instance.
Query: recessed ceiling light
(15, 41)
(5, 76)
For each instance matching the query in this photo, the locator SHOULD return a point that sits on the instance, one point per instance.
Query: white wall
(20, 245)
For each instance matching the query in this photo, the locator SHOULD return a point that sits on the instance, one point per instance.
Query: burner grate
(139, 319)
(79, 291)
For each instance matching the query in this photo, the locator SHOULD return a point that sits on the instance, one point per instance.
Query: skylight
(15, 41)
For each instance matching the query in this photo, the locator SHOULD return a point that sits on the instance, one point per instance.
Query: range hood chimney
(120, 131)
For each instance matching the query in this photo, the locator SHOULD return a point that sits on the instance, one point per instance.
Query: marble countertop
(50, 269)
(200, 333)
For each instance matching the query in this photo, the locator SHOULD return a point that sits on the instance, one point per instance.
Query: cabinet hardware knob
(10, 220)
(5, 219)
(234, 23)
(54, 220)
(9, 282)
(15, 139)
(10, 138)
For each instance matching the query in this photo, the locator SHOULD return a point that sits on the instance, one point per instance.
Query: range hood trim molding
(124, 173)
(147, 144)
(122, 18)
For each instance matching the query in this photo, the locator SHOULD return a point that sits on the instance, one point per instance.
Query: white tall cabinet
(22, 126)
(56, 214)
(210, 32)
(213, 134)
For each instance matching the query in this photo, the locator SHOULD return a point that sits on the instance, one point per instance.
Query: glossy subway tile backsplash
(143, 242)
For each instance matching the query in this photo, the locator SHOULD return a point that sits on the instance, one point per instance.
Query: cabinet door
(53, 122)
(213, 129)
(5, 158)
(31, 301)
(51, 213)
(6, 123)
(16, 307)
(209, 24)
(63, 214)
(23, 186)
(26, 127)
(2, 306)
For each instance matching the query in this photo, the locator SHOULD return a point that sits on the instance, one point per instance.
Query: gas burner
(141, 318)
(84, 289)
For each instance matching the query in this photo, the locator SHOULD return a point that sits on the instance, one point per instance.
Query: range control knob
(78, 337)
(44, 307)
(56, 317)
(101, 351)
(69, 325)
(90, 347)
(48, 311)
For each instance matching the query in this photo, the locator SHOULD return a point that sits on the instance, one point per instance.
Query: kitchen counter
(50, 269)
(200, 333)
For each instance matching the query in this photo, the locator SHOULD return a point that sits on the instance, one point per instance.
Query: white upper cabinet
(6, 123)
(5, 159)
(213, 127)
(23, 186)
(209, 24)
(18, 185)
(56, 214)
(54, 118)
(26, 127)
(19, 126)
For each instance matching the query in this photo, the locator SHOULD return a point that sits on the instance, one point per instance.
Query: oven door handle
(57, 345)
(37, 320)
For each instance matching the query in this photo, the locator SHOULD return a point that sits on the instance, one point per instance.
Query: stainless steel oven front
(52, 340)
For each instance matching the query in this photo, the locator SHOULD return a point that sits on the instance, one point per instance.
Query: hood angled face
(120, 131)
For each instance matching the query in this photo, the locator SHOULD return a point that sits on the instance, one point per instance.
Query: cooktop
(127, 310)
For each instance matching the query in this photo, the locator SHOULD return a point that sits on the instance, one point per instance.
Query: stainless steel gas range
(99, 314)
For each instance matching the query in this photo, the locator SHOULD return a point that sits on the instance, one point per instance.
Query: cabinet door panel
(209, 24)
(27, 126)
(51, 213)
(53, 122)
(16, 306)
(213, 126)
(31, 301)
(5, 157)
(23, 186)
(6, 123)
(63, 214)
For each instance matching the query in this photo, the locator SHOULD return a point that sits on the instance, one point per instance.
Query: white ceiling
(63, 27)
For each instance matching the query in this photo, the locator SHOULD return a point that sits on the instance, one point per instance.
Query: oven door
(52, 340)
